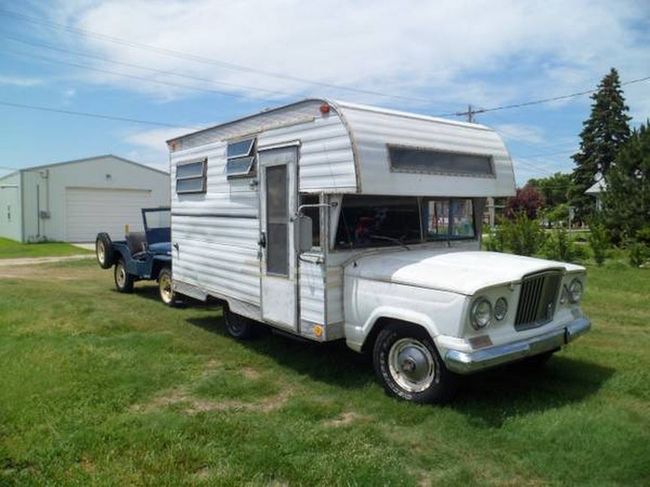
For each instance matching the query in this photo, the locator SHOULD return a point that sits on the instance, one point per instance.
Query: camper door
(278, 198)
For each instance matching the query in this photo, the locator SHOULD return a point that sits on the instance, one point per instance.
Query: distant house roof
(88, 159)
(599, 187)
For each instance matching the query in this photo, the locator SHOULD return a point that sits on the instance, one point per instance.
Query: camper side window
(191, 176)
(428, 161)
(241, 159)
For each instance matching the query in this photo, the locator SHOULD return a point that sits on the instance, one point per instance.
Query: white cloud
(446, 52)
(21, 81)
(151, 147)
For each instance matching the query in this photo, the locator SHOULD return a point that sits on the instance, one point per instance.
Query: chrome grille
(537, 299)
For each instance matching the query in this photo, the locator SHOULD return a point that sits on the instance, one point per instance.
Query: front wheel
(123, 280)
(409, 366)
(165, 289)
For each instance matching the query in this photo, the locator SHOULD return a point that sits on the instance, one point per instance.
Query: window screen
(405, 159)
(277, 216)
(191, 176)
(241, 158)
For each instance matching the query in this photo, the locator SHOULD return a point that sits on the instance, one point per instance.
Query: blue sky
(235, 58)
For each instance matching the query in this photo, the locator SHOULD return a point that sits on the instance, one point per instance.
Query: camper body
(331, 221)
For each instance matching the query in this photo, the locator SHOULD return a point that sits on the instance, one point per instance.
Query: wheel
(104, 251)
(123, 280)
(239, 326)
(167, 294)
(409, 366)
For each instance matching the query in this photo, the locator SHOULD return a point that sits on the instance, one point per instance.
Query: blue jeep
(141, 255)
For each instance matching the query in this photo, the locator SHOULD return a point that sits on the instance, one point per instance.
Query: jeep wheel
(165, 289)
(239, 326)
(104, 251)
(123, 280)
(409, 366)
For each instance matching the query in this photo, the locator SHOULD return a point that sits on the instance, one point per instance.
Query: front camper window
(379, 221)
(191, 176)
(429, 161)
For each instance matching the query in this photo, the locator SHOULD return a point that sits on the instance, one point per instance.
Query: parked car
(141, 255)
(331, 220)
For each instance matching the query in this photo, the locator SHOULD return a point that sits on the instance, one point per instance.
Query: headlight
(575, 290)
(481, 313)
(500, 308)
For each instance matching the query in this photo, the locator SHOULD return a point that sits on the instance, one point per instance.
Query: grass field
(10, 249)
(117, 390)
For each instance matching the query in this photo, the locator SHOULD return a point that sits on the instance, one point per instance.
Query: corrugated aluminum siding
(373, 129)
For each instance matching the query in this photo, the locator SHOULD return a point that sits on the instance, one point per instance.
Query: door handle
(262, 241)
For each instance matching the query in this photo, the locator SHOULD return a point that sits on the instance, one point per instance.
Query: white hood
(458, 271)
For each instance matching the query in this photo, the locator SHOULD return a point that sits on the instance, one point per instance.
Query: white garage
(72, 201)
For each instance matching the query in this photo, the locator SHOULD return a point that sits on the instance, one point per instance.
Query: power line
(537, 102)
(91, 115)
(139, 66)
(199, 59)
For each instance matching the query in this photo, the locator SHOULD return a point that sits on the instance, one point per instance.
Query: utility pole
(470, 114)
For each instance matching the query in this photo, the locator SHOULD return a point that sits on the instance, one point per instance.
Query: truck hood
(457, 271)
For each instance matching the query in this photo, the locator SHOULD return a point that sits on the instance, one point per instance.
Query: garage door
(89, 211)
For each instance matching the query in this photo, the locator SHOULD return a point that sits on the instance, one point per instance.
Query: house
(74, 200)
(597, 191)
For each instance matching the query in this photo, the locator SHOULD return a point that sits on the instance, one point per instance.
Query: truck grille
(537, 299)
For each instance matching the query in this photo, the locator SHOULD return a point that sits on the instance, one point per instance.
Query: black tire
(165, 289)
(409, 366)
(123, 280)
(104, 251)
(239, 326)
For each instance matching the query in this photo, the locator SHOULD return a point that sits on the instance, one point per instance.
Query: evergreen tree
(627, 199)
(602, 135)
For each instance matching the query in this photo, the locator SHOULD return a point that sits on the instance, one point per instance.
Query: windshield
(377, 221)
(157, 218)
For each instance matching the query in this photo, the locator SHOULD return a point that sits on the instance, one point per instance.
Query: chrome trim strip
(469, 362)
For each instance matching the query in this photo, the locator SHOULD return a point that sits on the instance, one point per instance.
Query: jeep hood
(457, 271)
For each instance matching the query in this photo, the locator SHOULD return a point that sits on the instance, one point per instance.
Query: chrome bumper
(468, 362)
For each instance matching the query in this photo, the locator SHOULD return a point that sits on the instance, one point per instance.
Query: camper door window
(380, 221)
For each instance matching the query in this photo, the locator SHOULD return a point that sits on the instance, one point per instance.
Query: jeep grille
(537, 299)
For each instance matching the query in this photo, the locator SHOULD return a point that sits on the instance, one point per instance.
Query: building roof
(86, 159)
(599, 187)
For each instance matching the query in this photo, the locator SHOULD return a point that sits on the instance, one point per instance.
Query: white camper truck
(331, 221)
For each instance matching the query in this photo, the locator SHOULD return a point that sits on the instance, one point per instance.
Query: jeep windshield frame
(367, 221)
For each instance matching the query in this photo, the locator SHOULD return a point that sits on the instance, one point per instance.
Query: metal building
(74, 200)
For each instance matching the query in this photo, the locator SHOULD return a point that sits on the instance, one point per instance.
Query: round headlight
(575, 290)
(500, 308)
(481, 313)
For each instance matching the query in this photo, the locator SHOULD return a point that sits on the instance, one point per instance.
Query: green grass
(10, 249)
(109, 389)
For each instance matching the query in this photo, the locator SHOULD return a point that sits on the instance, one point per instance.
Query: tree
(555, 188)
(627, 198)
(603, 133)
(527, 201)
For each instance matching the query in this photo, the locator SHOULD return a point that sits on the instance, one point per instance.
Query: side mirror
(304, 233)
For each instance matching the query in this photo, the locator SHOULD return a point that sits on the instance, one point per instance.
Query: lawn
(10, 249)
(115, 389)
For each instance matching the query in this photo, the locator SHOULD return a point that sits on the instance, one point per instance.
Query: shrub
(637, 253)
(599, 242)
(494, 242)
(643, 235)
(559, 246)
(523, 235)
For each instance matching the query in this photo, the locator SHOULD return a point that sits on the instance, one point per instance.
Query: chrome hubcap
(411, 365)
(121, 275)
(100, 251)
(166, 289)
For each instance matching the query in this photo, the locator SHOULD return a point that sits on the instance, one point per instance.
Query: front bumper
(468, 362)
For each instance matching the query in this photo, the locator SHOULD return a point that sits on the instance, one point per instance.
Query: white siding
(89, 211)
(11, 225)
